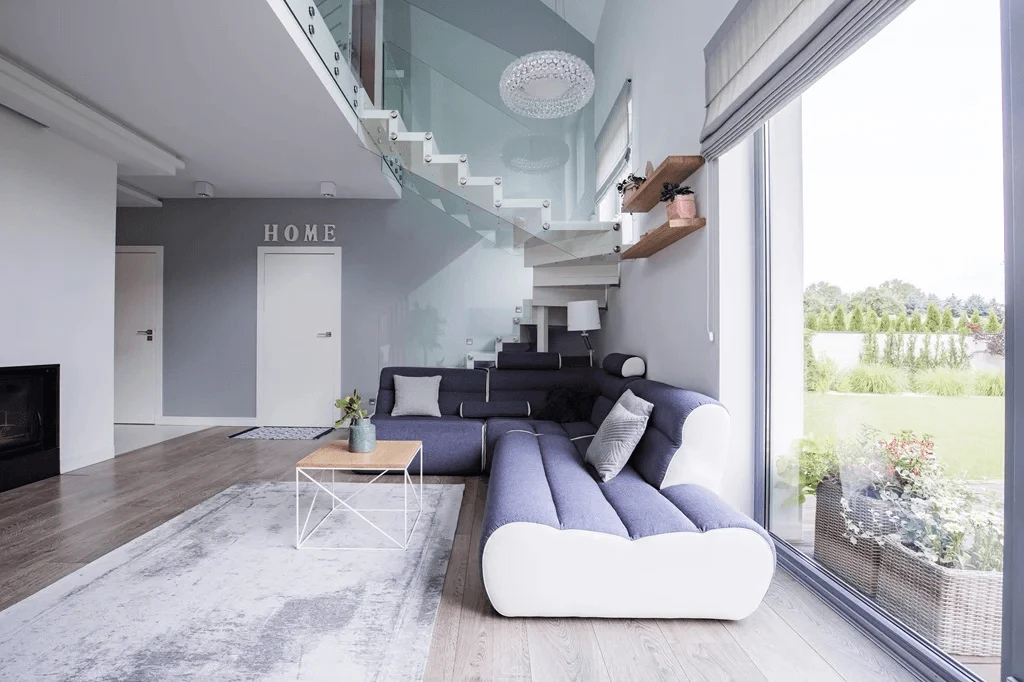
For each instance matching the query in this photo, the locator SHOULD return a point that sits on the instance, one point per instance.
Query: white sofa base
(530, 569)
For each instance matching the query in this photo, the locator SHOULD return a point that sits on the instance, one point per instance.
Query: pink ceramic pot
(682, 208)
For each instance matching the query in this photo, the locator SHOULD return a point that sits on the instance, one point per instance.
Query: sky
(903, 157)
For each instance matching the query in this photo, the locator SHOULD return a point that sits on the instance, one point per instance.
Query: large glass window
(886, 325)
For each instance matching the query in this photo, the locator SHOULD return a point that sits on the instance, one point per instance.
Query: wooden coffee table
(389, 457)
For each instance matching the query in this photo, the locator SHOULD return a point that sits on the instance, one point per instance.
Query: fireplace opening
(29, 424)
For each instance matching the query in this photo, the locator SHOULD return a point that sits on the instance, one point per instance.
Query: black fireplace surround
(29, 424)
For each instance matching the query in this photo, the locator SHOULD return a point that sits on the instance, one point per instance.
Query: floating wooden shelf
(672, 169)
(657, 239)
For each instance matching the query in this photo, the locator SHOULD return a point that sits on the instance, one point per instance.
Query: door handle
(324, 335)
(145, 332)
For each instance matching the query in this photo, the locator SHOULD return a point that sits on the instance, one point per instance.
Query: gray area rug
(221, 593)
(283, 433)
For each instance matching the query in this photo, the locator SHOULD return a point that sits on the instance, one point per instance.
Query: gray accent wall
(396, 255)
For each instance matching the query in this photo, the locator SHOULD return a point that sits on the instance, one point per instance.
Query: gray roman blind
(769, 51)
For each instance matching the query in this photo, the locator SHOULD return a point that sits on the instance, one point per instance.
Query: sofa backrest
(457, 385)
(533, 384)
(610, 388)
(686, 438)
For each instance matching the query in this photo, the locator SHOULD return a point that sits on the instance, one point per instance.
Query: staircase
(572, 260)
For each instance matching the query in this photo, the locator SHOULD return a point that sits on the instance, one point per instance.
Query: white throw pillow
(618, 435)
(416, 397)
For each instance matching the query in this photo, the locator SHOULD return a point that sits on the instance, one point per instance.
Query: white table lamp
(584, 317)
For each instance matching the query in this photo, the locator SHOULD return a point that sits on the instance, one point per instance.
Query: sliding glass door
(886, 336)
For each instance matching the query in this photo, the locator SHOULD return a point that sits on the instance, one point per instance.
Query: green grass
(968, 431)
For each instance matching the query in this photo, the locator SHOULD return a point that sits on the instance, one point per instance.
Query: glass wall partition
(885, 325)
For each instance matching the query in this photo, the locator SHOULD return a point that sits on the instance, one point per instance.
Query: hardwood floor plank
(778, 651)
(706, 651)
(636, 650)
(564, 649)
(838, 642)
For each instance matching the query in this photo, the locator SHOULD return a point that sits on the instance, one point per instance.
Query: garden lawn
(968, 432)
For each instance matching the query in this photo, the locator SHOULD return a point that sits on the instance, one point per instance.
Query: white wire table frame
(335, 457)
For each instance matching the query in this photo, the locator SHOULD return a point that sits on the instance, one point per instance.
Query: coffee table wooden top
(390, 454)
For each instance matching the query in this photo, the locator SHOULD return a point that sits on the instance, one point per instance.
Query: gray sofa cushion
(622, 365)
(457, 385)
(618, 435)
(475, 409)
(416, 396)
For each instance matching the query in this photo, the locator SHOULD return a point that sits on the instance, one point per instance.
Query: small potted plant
(679, 200)
(628, 187)
(362, 434)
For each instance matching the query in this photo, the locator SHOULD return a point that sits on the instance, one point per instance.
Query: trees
(933, 320)
(870, 320)
(947, 324)
(899, 323)
(857, 319)
(973, 304)
(811, 322)
(952, 304)
(885, 323)
(916, 322)
(893, 353)
(961, 326)
(824, 321)
(992, 323)
(822, 296)
(975, 317)
(839, 319)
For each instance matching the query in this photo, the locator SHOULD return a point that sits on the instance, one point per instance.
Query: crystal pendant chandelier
(547, 84)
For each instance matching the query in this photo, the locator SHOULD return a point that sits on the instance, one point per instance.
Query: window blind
(614, 141)
(768, 52)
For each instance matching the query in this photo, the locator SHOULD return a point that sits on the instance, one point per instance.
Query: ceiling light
(203, 189)
(547, 84)
(535, 154)
(328, 189)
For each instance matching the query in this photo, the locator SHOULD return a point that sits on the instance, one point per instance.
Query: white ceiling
(582, 15)
(222, 85)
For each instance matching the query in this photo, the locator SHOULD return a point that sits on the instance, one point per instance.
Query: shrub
(992, 324)
(857, 319)
(869, 351)
(811, 322)
(899, 323)
(943, 381)
(878, 379)
(885, 323)
(824, 321)
(870, 320)
(933, 320)
(947, 324)
(893, 354)
(909, 358)
(839, 319)
(975, 317)
(916, 323)
(961, 326)
(823, 375)
(990, 384)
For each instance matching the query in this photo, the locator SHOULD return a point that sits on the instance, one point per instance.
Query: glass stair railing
(515, 208)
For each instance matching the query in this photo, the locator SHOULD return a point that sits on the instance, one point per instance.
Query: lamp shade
(583, 316)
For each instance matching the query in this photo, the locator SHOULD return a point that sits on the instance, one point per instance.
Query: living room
(445, 327)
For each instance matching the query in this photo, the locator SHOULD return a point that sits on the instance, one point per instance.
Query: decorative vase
(362, 436)
(683, 207)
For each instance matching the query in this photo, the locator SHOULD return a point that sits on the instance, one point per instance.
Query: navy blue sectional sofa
(656, 541)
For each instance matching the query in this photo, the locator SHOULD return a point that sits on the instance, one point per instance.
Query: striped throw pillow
(618, 436)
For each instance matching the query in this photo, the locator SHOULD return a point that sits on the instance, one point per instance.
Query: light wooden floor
(53, 527)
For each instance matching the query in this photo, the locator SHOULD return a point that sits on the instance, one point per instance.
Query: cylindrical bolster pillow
(622, 365)
(521, 360)
(499, 408)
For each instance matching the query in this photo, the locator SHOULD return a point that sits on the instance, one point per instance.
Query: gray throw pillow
(416, 397)
(618, 435)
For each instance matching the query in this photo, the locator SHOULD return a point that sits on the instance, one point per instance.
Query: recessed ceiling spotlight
(203, 189)
(328, 189)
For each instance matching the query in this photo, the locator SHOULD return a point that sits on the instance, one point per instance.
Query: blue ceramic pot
(362, 436)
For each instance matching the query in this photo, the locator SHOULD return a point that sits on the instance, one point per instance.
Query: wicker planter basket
(959, 611)
(858, 564)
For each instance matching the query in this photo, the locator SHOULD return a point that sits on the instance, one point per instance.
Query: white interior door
(138, 334)
(299, 321)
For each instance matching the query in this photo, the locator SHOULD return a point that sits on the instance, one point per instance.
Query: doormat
(283, 433)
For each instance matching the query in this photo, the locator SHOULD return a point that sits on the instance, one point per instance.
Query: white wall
(667, 304)
(659, 312)
(57, 215)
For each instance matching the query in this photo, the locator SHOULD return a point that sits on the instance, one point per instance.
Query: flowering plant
(939, 517)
